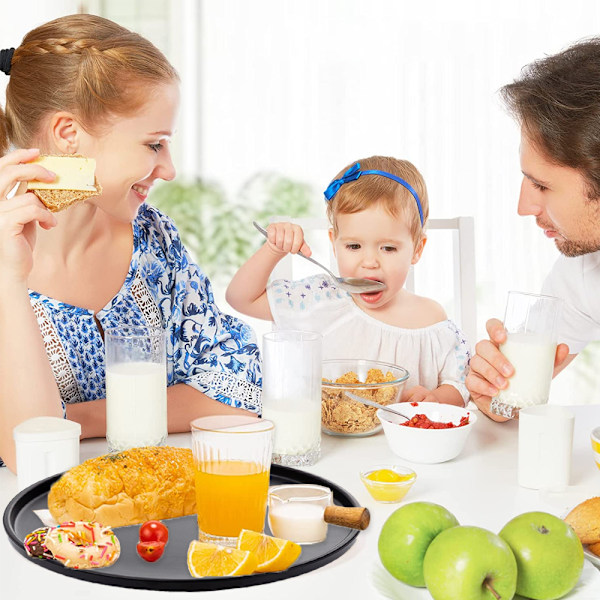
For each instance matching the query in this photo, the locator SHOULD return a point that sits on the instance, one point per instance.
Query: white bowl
(426, 445)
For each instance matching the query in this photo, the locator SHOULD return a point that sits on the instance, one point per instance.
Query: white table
(479, 487)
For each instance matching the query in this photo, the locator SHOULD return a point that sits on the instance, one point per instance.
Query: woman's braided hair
(83, 64)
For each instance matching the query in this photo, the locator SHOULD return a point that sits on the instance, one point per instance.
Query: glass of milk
(531, 322)
(291, 395)
(136, 387)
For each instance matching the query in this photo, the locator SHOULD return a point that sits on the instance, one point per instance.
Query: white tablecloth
(479, 487)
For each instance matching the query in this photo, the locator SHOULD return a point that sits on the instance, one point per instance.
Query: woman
(84, 85)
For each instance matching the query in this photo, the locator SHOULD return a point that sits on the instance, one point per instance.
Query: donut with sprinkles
(83, 545)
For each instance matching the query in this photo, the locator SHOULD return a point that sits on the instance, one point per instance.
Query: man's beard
(572, 248)
(568, 247)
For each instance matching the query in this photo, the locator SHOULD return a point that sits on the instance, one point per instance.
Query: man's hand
(490, 370)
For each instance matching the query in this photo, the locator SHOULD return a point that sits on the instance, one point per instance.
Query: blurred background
(280, 95)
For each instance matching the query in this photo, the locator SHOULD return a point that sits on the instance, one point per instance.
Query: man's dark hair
(557, 102)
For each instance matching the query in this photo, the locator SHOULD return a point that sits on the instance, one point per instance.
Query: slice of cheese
(72, 173)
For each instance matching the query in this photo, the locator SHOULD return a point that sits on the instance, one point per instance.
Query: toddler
(378, 209)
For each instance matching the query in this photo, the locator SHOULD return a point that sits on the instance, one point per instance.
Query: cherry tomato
(150, 551)
(154, 531)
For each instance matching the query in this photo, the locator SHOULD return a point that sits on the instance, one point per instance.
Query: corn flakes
(343, 415)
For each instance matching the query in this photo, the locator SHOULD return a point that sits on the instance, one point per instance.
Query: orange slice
(274, 554)
(212, 560)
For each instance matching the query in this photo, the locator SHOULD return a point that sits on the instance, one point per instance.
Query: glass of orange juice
(232, 463)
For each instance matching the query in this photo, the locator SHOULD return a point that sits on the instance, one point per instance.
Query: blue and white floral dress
(213, 352)
(434, 355)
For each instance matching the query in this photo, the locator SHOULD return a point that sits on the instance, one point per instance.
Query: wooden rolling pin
(354, 517)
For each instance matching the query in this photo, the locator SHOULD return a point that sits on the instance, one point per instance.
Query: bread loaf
(585, 520)
(127, 488)
(594, 548)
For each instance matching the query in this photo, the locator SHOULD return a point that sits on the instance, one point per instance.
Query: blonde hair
(83, 64)
(370, 190)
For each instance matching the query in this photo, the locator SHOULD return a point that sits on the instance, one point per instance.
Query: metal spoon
(354, 285)
(375, 405)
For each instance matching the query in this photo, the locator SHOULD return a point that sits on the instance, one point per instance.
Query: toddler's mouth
(372, 297)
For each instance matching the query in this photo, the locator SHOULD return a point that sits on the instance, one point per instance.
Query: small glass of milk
(296, 512)
(531, 323)
(136, 387)
(291, 395)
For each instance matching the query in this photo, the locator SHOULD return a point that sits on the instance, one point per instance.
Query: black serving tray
(170, 573)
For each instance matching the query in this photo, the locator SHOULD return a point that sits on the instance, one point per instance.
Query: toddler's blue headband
(354, 172)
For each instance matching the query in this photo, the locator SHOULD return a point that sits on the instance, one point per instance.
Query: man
(556, 101)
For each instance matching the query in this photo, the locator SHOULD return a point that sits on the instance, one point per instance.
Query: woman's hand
(20, 214)
(287, 238)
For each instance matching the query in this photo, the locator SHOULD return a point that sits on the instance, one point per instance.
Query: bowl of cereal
(378, 381)
(434, 433)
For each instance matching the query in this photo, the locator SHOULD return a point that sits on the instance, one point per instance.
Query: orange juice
(231, 495)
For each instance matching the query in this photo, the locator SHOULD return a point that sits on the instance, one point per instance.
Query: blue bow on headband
(354, 172)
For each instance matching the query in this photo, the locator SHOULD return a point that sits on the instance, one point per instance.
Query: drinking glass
(136, 387)
(291, 395)
(232, 464)
(531, 322)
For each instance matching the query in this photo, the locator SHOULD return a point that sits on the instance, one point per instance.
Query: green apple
(549, 555)
(405, 536)
(470, 563)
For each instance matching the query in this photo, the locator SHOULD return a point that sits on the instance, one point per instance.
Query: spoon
(354, 285)
(375, 405)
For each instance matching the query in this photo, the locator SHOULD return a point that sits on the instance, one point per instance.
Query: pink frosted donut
(83, 545)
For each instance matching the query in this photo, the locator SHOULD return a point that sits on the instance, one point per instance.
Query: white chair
(463, 306)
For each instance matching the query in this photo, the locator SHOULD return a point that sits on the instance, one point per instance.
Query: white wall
(20, 17)
(307, 87)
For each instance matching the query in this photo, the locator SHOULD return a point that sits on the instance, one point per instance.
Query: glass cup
(531, 322)
(296, 512)
(136, 387)
(291, 395)
(232, 464)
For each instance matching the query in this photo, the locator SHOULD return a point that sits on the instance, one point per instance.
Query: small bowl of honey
(388, 483)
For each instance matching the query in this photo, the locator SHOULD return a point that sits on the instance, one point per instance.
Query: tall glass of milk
(531, 323)
(136, 387)
(291, 395)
